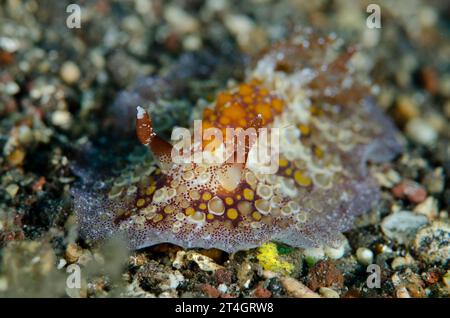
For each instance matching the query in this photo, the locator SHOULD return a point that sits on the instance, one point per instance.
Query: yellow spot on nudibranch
(189, 211)
(283, 162)
(301, 179)
(229, 200)
(304, 129)
(150, 190)
(232, 214)
(169, 209)
(249, 194)
(206, 196)
(158, 218)
(256, 215)
(140, 202)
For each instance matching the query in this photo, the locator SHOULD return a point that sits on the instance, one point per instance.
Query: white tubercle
(140, 112)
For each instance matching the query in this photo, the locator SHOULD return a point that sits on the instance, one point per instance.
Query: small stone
(25, 135)
(421, 132)
(62, 119)
(325, 274)
(402, 292)
(336, 253)
(222, 276)
(245, 274)
(430, 80)
(16, 157)
(73, 252)
(12, 189)
(205, 263)
(181, 21)
(402, 226)
(432, 243)
(296, 289)
(70, 73)
(406, 109)
(410, 190)
(222, 288)
(10, 88)
(39, 184)
(446, 279)
(85, 258)
(434, 181)
(192, 43)
(387, 179)
(400, 262)
(447, 108)
(262, 292)
(429, 208)
(328, 292)
(3, 284)
(364, 256)
(313, 255)
(210, 290)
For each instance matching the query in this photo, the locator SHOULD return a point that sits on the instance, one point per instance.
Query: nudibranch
(329, 129)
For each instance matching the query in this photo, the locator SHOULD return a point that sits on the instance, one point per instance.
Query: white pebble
(315, 253)
(364, 256)
(70, 73)
(62, 119)
(335, 253)
(328, 292)
(421, 132)
(222, 288)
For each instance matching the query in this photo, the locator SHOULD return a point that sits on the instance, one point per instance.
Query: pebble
(192, 43)
(296, 289)
(421, 132)
(387, 179)
(73, 252)
(85, 258)
(335, 253)
(3, 284)
(434, 180)
(402, 226)
(447, 108)
(181, 21)
(401, 261)
(410, 190)
(222, 288)
(62, 119)
(328, 292)
(402, 292)
(405, 108)
(315, 254)
(204, 262)
(446, 279)
(70, 73)
(210, 290)
(429, 208)
(11, 88)
(432, 243)
(262, 292)
(12, 189)
(16, 157)
(364, 256)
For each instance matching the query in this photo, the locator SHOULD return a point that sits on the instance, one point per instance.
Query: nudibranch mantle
(329, 130)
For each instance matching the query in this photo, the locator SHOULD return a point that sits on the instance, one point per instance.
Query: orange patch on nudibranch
(239, 108)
